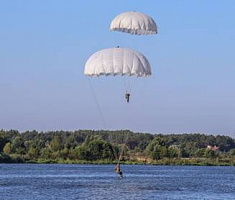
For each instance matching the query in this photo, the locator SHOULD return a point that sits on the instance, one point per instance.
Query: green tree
(209, 153)
(142, 145)
(96, 149)
(157, 149)
(108, 152)
(7, 148)
(200, 153)
(3, 140)
(17, 143)
(173, 151)
(56, 144)
(82, 153)
(33, 153)
(45, 153)
(64, 153)
(232, 152)
(155, 153)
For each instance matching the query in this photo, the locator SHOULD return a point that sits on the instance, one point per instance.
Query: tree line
(109, 146)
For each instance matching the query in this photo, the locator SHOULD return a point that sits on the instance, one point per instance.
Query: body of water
(67, 181)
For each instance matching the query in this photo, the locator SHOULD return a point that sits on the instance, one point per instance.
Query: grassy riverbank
(195, 162)
(165, 161)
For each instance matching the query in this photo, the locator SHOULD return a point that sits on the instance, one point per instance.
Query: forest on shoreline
(103, 146)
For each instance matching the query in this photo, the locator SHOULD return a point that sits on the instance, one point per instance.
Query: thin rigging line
(123, 146)
(97, 103)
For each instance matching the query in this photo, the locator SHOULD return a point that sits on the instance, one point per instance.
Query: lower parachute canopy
(117, 61)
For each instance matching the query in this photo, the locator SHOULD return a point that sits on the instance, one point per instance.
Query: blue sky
(44, 46)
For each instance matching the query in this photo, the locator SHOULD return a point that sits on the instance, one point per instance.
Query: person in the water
(118, 170)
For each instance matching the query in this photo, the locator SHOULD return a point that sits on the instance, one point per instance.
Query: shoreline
(165, 162)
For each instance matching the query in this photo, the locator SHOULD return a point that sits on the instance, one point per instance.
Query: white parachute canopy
(134, 23)
(117, 61)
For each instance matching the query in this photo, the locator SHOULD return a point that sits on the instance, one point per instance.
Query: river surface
(70, 181)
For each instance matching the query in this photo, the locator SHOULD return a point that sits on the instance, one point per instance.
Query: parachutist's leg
(120, 175)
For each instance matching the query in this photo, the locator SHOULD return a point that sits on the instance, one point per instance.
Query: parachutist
(118, 170)
(127, 97)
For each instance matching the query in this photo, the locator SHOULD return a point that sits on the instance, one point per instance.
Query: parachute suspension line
(114, 151)
(120, 156)
(128, 85)
(122, 150)
(97, 103)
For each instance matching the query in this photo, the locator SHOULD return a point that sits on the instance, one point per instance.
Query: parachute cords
(100, 112)
(122, 150)
(97, 103)
(114, 151)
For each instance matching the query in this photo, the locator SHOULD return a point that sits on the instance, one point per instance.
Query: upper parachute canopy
(134, 23)
(117, 61)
